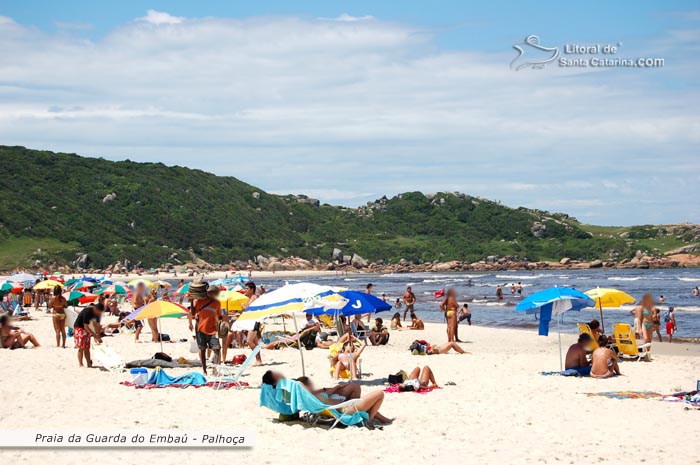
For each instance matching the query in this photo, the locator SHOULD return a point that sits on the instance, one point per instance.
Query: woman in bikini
(153, 322)
(137, 303)
(58, 305)
(644, 313)
(347, 360)
(12, 337)
(450, 306)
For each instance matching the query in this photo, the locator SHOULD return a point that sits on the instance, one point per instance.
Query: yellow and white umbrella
(48, 284)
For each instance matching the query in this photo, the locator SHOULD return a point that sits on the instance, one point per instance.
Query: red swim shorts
(669, 327)
(82, 338)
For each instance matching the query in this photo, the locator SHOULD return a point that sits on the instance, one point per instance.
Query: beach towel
(160, 379)
(394, 388)
(570, 372)
(626, 394)
(290, 397)
(155, 363)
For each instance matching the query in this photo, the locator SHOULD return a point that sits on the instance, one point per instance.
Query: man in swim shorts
(576, 356)
(409, 299)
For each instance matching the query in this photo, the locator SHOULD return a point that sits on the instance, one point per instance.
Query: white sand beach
(499, 410)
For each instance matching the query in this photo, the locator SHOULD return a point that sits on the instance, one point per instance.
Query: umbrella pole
(602, 322)
(561, 363)
(301, 352)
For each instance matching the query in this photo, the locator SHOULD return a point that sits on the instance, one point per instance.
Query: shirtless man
(409, 298)
(604, 361)
(576, 356)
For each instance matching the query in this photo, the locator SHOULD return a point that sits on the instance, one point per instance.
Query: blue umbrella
(240, 280)
(554, 302)
(358, 303)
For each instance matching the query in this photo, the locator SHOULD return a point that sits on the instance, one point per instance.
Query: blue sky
(348, 101)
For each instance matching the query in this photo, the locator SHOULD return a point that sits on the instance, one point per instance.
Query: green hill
(54, 205)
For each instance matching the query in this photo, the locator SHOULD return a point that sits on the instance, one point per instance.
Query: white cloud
(159, 17)
(348, 109)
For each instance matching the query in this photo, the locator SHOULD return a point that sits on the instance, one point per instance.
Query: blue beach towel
(289, 397)
(161, 378)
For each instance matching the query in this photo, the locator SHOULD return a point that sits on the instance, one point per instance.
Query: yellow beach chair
(583, 328)
(626, 342)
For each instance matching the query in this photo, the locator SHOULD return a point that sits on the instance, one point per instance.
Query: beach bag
(239, 359)
(398, 378)
(419, 347)
(194, 348)
(162, 356)
(308, 340)
(198, 290)
(223, 329)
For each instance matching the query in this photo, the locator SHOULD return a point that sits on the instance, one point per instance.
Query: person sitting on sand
(604, 361)
(83, 331)
(416, 323)
(396, 321)
(369, 403)
(596, 329)
(576, 356)
(14, 337)
(419, 379)
(445, 348)
(378, 335)
(334, 395)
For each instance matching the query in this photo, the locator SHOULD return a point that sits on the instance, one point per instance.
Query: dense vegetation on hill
(63, 204)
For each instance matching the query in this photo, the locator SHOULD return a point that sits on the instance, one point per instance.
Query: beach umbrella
(184, 289)
(292, 298)
(114, 289)
(552, 302)
(358, 303)
(240, 280)
(48, 284)
(220, 282)
(87, 298)
(299, 297)
(23, 278)
(83, 285)
(9, 286)
(158, 309)
(71, 281)
(232, 301)
(162, 283)
(136, 282)
(610, 298)
(73, 296)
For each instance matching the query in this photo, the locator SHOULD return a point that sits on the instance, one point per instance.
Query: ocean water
(479, 290)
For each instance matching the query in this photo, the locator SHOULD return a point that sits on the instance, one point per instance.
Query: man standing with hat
(207, 313)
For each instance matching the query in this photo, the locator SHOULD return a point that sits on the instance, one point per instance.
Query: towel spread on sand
(159, 379)
(394, 388)
(626, 394)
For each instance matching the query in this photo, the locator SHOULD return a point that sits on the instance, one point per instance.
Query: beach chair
(359, 333)
(231, 374)
(627, 344)
(333, 351)
(326, 321)
(290, 397)
(583, 328)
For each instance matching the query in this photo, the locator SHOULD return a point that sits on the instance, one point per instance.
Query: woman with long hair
(58, 305)
(450, 306)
